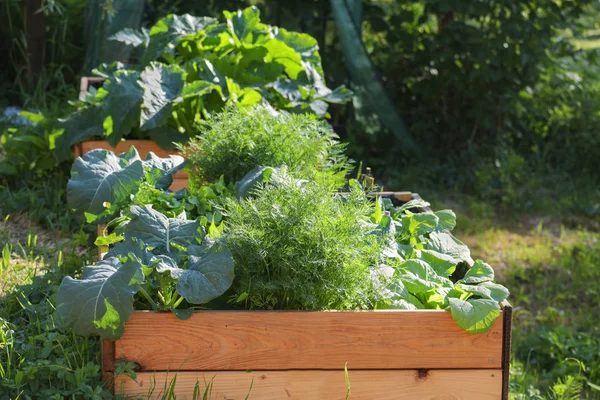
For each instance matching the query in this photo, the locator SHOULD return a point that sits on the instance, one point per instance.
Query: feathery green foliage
(300, 247)
(237, 141)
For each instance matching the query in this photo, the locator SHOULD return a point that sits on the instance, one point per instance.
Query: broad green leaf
(132, 37)
(82, 125)
(304, 44)
(160, 171)
(243, 22)
(159, 232)
(162, 86)
(443, 264)
(197, 88)
(169, 30)
(209, 73)
(487, 290)
(397, 297)
(164, 263)
(283, 54)
(418, 276)
(167, 138)
(447, 220)
(474, 315)
(289, 89)
(98, 179)
(479, 272)
(340, 95)
(135, 247)
(102, 300)
(445, 243)
(122, 104)
(258, 175)
(209, 273)
(420, 224)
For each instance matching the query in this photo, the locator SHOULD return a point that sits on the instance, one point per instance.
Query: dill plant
(236, 141)
(301, 247)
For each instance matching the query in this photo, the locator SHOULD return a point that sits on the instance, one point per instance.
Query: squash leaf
(474, 315)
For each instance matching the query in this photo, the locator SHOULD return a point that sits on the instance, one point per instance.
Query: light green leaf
(445, 243)
(170, 30)
(488, 290)
(131, 37)
(443, 264)
(101, 302)
(479, 272)
(197, 88)
(421, 223)
(418, 276)
(283, 54)
(108, 240)
(243, 22)
(447, 220)
(397, 297)
(474, 315)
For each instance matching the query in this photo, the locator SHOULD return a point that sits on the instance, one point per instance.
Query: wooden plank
(283, 340)
(143, 147)
(86, 81)
(507, 328)
(323, 385)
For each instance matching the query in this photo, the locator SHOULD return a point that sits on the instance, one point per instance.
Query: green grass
(551, 264)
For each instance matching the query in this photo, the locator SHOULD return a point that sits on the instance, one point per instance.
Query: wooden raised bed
(390, 354)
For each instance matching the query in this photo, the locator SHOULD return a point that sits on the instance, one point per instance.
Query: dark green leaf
(162, 85)
(101, 302)
(159, 232)
(98, 179)
(122, 104)
(255, 177)
(209, 273)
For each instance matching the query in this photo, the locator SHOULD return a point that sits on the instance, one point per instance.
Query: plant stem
(147, 296)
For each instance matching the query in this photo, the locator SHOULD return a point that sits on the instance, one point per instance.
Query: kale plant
(236, 141)
(192, 66)
(159, 260)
